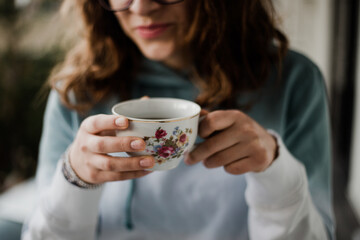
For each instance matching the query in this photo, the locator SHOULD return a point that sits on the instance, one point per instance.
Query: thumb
(203, 112)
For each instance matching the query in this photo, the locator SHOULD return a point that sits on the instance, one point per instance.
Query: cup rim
(167, 120)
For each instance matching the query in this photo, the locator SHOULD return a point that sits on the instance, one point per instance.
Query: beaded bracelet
(71, 176)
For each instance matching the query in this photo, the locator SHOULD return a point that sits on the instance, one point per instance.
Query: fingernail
(137, 144)
(144, 97)
(146, 162)
(121, 122)
(188, 160)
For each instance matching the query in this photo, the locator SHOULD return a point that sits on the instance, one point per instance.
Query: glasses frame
(105, 4)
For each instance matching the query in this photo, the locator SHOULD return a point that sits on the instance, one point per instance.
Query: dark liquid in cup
(154, 118)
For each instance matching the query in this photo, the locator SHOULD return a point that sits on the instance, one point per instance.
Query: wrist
(274, 149)
(71, 176)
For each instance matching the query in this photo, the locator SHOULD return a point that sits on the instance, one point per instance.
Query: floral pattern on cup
(165, 147)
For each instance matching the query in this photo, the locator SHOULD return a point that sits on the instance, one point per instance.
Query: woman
(263, 169)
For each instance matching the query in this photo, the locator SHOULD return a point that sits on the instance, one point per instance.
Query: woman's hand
(233, 141)
(95, 139)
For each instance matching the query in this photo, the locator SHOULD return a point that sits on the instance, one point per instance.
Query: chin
(158, 52)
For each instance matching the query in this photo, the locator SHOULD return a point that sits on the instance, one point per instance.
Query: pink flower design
(165, 151)
(183, 138)
(160, 133)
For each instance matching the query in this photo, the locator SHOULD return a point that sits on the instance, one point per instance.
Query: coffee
(154, 118)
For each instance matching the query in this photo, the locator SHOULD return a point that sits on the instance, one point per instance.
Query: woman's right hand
(95, 139)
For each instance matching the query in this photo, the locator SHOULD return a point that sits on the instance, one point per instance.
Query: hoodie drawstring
(128, 216)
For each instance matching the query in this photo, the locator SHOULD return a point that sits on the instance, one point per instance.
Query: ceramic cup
(168, 126)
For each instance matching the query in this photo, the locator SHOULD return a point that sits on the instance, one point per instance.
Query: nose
(144, 7)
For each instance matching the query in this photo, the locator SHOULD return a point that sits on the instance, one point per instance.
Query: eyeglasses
(122, 5)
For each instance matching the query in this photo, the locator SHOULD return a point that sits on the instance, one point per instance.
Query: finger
(215, 121)
(104, 176)
(227, 156)
(144, 97)
(240, 166)
(109, 144)
(214, 144)
(98, 123)
(203, 112)
(251, 163)
(122, 164)
(107, 133)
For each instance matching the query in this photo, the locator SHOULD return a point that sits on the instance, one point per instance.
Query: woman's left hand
(234, 141)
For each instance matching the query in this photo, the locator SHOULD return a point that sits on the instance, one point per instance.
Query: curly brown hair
(234, 44)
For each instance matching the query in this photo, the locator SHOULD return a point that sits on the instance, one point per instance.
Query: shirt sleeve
(280, 205)
(292, 199)
(64, 210)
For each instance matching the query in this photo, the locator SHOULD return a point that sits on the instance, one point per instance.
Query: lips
(152, 31)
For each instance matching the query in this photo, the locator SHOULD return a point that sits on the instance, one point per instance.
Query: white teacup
(169, 127)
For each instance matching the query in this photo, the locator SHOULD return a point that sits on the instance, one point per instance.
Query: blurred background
(34, 37)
